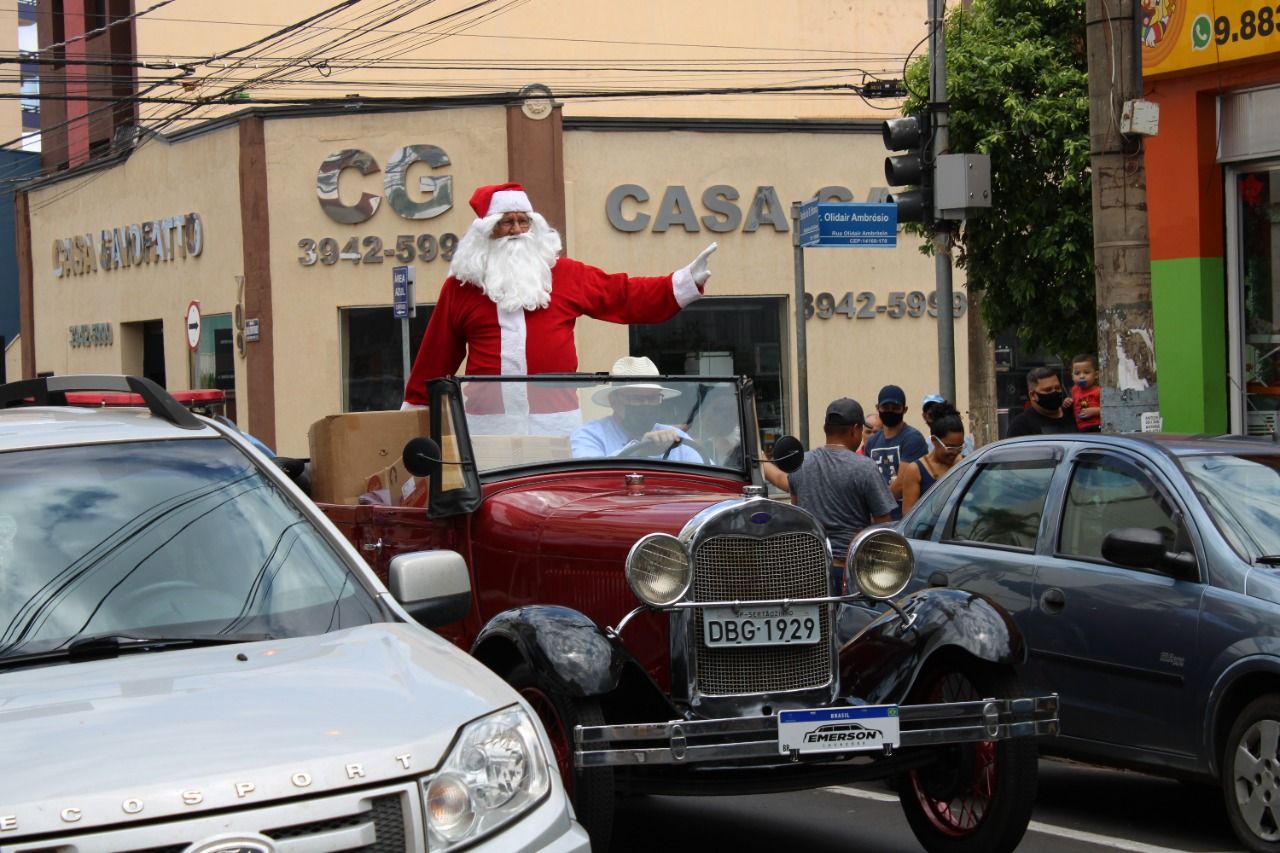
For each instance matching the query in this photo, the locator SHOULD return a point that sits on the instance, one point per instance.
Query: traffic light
(913, 170)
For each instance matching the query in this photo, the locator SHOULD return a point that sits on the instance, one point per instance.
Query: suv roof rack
(52, 391)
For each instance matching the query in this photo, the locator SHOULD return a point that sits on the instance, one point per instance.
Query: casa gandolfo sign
(157, 241)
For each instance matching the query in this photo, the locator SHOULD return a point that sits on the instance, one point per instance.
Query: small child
(1086, 396)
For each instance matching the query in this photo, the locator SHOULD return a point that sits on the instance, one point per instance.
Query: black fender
(573, 654)
(880, 664)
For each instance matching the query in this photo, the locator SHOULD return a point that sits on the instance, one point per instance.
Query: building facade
(1212, 67)
(276, 232)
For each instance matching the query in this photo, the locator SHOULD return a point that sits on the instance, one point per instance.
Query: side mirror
(1144, 548)
(433, 586)
(788, 453)
(422, 457)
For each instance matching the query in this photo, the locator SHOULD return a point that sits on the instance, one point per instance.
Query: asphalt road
(1078, 808)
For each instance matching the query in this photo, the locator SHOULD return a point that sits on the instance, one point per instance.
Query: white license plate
(858, 729)
(798, 625)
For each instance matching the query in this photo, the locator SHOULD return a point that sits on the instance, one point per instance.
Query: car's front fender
(880, 664)
(559, 644)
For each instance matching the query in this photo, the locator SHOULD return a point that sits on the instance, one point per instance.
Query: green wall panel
(1188, 297)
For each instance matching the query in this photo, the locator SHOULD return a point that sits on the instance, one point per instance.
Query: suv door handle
(1053, 600)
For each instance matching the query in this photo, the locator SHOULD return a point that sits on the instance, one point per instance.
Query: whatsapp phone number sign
(1248, 24)
(371, 250)
(862, 306)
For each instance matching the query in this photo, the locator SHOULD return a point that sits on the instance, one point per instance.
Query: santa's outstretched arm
(619, 298)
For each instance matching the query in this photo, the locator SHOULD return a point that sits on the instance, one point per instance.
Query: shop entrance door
(1253, 301)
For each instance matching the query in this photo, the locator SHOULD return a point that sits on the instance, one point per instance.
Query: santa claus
(510, 304)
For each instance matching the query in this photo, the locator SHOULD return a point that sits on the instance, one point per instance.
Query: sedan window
(923, 519)
(1004, 504)
(1107, 493)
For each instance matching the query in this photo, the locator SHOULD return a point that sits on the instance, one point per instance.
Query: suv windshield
(1242, 493)
(689, 420)
(160, 538)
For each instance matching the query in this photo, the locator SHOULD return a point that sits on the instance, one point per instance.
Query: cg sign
(438, 189)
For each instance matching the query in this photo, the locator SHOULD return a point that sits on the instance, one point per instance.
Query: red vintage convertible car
(673, 625)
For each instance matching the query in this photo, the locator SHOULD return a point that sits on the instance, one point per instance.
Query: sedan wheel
(1251, 775)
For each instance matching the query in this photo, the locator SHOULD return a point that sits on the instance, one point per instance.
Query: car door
(1115, 642)
(987, 540)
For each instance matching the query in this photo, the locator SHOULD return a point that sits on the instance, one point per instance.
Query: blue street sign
(402, 302)
(848, 224)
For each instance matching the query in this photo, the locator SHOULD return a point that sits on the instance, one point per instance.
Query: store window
(1257, 265)
(213, 363)
(726, 336)
(373, 357)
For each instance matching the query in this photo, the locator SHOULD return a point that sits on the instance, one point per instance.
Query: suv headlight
(495, 772)
(659, 569)
(881, 563)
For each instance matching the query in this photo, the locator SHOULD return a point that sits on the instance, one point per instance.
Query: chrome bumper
(695, 741)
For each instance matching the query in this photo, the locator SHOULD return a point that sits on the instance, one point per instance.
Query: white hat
(630, 365)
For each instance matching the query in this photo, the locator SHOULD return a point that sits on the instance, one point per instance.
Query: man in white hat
(510, 304)
(632, 429)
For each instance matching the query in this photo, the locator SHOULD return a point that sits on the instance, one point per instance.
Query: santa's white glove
(698, 269)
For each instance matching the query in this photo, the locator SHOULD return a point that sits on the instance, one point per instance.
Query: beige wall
(846, 357)
(160, 180)
(307, 299)
(577, 45)
(13, 359)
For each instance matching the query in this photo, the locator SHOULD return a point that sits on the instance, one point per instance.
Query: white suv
(192, 658)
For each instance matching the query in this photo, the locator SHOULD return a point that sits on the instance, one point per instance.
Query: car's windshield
(160, 538)
(1242, 493)
(693, 421)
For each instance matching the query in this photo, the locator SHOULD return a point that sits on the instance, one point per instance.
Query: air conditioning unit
(1261, 423)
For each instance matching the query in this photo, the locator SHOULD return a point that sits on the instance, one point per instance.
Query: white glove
(698, 269)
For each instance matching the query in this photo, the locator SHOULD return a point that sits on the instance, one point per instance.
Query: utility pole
(1121, 251)
(942, 237)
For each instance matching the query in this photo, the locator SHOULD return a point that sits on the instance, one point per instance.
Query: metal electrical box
(961, 185)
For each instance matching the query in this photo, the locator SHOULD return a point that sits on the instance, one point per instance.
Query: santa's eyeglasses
(513, 223)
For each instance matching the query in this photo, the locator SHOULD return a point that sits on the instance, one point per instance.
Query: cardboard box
(394, 486)
(346, 449)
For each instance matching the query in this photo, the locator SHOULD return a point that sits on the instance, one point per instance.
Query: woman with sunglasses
(946, 441)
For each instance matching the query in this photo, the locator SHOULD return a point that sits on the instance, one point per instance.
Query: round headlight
(881, 563)
(659, 570)
(450, 810)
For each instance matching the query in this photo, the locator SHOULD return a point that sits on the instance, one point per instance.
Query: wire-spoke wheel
(1251, 775)
(975, 798)
(591, 789)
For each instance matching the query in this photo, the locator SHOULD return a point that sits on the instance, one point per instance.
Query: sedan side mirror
(1144, 548)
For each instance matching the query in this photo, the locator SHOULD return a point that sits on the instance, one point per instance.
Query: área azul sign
(848, 224)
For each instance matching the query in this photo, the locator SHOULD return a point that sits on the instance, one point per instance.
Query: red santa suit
(466, 322)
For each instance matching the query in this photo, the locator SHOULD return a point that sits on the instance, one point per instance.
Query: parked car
(193, 658)
(1144, 573)
(673, 627)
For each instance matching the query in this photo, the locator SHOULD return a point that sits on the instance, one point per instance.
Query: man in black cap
(897, 442)
(842, 489)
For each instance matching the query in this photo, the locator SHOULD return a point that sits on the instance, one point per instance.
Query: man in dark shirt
(1050, 409)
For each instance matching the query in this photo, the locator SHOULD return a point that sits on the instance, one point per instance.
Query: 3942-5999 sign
(370, 250)
(862, 306)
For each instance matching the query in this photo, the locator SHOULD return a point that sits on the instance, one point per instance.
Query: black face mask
(891, 419)
(1052, 401)
(637, 420)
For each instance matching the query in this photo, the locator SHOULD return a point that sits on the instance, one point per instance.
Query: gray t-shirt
(843, 490)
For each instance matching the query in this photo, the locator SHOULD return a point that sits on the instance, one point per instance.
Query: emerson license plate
(797, 625)
(858, 729)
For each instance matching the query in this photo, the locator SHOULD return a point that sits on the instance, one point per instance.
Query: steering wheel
(641, 448)
(171, 602)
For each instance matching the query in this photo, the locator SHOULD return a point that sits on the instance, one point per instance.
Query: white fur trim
(515, 395)
(509, 201)
(410, 407)
(683, 287)
(548, 423)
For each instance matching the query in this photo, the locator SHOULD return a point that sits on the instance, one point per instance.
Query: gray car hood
(128, 739)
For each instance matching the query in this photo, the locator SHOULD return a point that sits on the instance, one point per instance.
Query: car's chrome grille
(743, 568)
(381, 821)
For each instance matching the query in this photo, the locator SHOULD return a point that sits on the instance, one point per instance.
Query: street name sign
(848, 225)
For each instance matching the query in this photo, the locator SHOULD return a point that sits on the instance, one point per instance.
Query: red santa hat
(500, 198)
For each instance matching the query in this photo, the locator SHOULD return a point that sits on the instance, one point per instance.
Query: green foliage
(1017, 82)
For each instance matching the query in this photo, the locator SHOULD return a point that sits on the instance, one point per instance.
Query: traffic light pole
(942, 236)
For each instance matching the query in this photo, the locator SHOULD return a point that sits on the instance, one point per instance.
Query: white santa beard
(515, 274)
